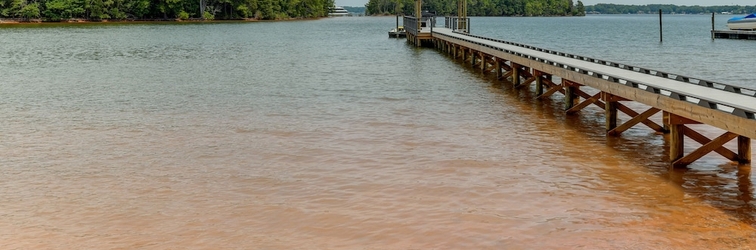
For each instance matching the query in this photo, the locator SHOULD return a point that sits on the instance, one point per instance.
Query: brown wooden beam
(553, 88)
(538, 81)
(588, 101)
(633, 121)
(570, 95)
(744, 149)
(472, 57)
(647, 122)
(506, 75)
(497, 66)
(705, 149)
(515, 74)
(483, 62)
(670, 118)
(527, 82)
(692, 134)
(610, 111)
(676, 142)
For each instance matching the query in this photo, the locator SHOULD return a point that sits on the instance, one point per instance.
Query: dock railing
(410, 25)
(677, 77)
(457, 24)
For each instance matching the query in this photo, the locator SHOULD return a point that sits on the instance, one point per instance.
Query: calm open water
(328, 135)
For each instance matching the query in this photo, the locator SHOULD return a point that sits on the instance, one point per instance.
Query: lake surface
(327, 134)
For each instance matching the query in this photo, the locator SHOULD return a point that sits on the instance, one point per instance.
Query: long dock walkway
(682, 100)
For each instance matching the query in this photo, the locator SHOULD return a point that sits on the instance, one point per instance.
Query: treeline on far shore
(95, 10)
(603, 8)
(481, 7)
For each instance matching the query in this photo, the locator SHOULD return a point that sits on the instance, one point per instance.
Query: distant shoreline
(8, 21)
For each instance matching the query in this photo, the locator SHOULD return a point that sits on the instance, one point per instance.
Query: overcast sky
(592, 2)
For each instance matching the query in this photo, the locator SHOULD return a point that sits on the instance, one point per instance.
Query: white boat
(397, 32)
(742, 23)
(338, 11)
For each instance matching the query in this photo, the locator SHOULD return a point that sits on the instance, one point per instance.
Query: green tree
(30, 11)
(580, 9)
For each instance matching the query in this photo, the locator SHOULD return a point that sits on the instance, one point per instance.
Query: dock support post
(665, 121)
(611, 111)
(676, 142)
(538, 81)
(570, 94)
(515, 74)
(397, 25)
(472, 58)
(497, 63)
(482, 63)
(744, 149)
(712, 25)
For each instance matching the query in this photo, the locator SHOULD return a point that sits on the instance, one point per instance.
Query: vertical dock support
(744, 149)
(515, 74)
(676, 142)
(482, 62)
(472, 58)
(570, 94)
(538, 81)
(497, 63)
(712, 26)
(610, 109)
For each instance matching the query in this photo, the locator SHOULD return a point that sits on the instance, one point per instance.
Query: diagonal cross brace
(656, 127)
(635, 120)
(692, 134)
(705, 149)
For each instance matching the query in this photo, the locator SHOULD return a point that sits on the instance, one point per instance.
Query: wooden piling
(610, 110)
(661, 33)
(515, 74)
(472, 58)
(676, 142)
(538, 81)
(497, 63)
(482, 63)
(570, 94)
(712, 26)
(744, 149)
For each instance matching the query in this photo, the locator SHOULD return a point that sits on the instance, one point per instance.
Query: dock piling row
(613, 86)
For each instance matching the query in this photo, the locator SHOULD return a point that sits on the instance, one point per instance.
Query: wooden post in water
(538, 81)
(661, 34)
(472, 58)
(570, 94)
(610, 106)
(712, 25)
(497, 64)
(482, 63)
(744, 149)
(515, 74)
(665, 121)
(676, 141)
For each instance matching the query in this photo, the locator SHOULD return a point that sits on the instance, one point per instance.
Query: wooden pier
(734, 34)
(681, 99)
